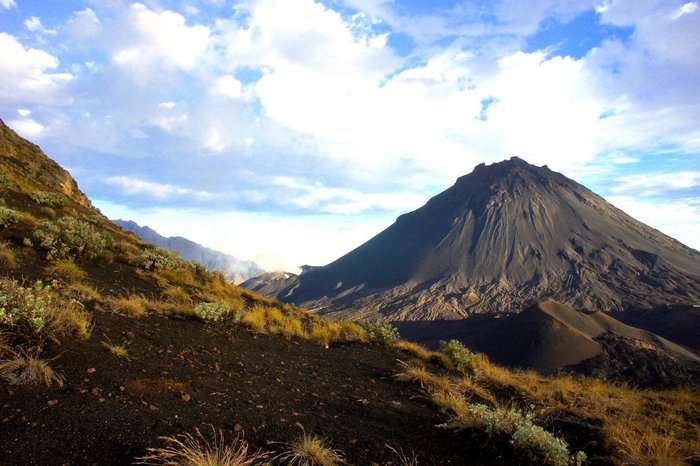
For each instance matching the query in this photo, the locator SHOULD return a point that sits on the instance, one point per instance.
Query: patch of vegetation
(30, 314)
(7, 256)
(131, 306)
(159, 259)
(459, 356)
(67, 270)
(311, 450)
(198, 450)
(176, 294)
(119, 351)
(9, 217)
(48, 199)
(381, 333)
(217, 312)
(5, 183)
(68, 237)
(29, 369)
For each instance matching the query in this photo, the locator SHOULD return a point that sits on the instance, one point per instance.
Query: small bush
(198, 450)
(126, 251)
(540, 446)
(48, 212)
(5, 183)
(217, 312)
(311, 450)
(350, 331)
(7, 256)
(67, 270)
(28, 369)
(9, 217)
(68, 237)
(159, 259)
(461, 358)
(31, 312)
(382, 333)
(48, 199)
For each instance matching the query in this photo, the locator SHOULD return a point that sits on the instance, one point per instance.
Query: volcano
(504, 237)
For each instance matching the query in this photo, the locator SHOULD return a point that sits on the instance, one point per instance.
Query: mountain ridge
(237, 270)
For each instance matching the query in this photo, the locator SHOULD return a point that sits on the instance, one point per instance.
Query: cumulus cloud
(144, 41)
(655, 183)
(7, 4)
(26, 73)
(138, 187)
(33, 24)
(679, 219)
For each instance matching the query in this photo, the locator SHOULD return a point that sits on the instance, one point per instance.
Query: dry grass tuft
(119, 351)
(7, 256)
(132, 306)
(83, 292)
(350, 331)
(26, 368)
(198, 450)
(311, 450)
(176, 294)
(324, 333)
(67, 270)
(415, 349)
(426, 379)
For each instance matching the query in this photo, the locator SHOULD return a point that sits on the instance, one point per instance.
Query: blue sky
(291, 131)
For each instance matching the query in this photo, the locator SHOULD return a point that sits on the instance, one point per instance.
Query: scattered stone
(52, 402)
(92, 370)
(186, 397)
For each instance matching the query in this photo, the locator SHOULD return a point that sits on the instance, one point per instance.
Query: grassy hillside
(113, 350)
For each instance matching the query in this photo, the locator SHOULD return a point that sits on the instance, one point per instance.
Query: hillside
(112, 350)
(503, 237)
(236, 270)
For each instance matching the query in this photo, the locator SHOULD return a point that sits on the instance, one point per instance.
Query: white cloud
(135, 186)
(84, 24)
(320, 198)
(655, 183)
(33, 24)
(678, 219)
(27, 127)
(7, 4)
(25, 73)
(686, 9)
(145, 41)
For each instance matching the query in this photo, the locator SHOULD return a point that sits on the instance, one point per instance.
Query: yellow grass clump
(7, 256)
(67, 270)
(131, 306)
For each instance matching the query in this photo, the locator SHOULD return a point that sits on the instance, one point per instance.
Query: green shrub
(9, 217)
(48, 212)
(217, 312)
(48, 199)
(498, 421)
(30, 311)
(461, 357)
(381, 333)
(159, 259)
(5, 183)
(68, 237)
(540, 446)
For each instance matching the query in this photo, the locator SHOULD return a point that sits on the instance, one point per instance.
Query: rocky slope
(502, 238)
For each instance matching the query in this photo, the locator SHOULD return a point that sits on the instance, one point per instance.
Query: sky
(291, 131)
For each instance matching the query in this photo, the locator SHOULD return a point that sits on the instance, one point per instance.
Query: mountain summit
(503, 237)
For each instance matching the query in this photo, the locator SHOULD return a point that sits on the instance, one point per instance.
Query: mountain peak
(504, 236)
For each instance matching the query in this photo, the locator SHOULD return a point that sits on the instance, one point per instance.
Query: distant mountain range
(237, 270)
(503, 238)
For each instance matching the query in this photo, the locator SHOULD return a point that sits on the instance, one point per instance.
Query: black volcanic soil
(111, 409)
